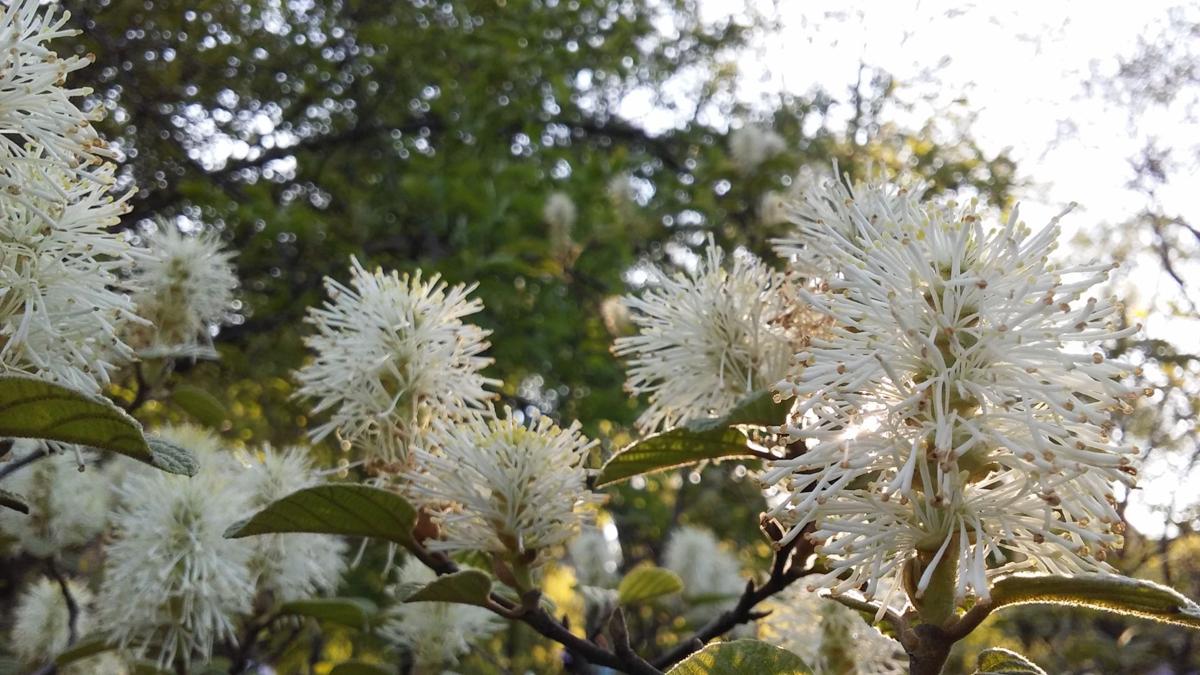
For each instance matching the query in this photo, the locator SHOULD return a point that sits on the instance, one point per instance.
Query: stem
(929, 655)
(16, 464)
(72, 606)
(782, 576)
(620, 635)
(936, 604)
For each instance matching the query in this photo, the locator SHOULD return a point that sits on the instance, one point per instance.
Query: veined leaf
(739, 657)
(645, 582)
(468, 587)
(336, 508)
(1110, 593)
(998, 661)
(695, 441)
(31, 408)
(352, 612)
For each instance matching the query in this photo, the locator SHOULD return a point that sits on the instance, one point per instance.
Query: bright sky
(1022, 66)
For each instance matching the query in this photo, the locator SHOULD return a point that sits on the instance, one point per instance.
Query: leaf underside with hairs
(31, 408)
(740, 657)
(999, 661)
(1110, 593)
(695, 441)
(346, 509)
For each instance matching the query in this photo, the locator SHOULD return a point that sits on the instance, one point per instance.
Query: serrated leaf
(352, 612)
(999, 661)
(646, 582)
(361, 668)
(172, 458)
(467, 587)
(739, 657)
(14, 501)
(82, 650)
(694, 442)
(200, 404)
(1111, 593)
(32, 408)
(336, 508)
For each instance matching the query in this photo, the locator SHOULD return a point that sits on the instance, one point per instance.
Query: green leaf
(32, 408)
(347, 509)
(361, 668)
(645, 582)
(758, 409)
(998, 661)
(200, 404)
(14, 501)
(352, 612)
(82, 650)
(672, 449)
(1110, 593)
(468, 587)
(695, 441)
(739, 657)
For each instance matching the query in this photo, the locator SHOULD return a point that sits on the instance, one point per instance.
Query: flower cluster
(595, 557)
(173, 584)
(288, 566)
(830, 638)
(184, 287)
(833, 206)
(960, 409)
(750, 146)
(560, 214)
(68, 501)
(709, 338)
(500, 487)
(437, 634)
(62, 296)
(711, 575)
(42, 621)
(392, 355)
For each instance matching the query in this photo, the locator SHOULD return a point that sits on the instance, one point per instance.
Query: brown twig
(620, 636)
(16, 464)
(783, 573)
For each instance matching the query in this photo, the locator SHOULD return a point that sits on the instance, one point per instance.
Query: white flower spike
(437, 634)
(709, 338)
(500, 487)
(173, 584)
(184, 287)
(289, 566)
(393, 354)
(960, 406)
